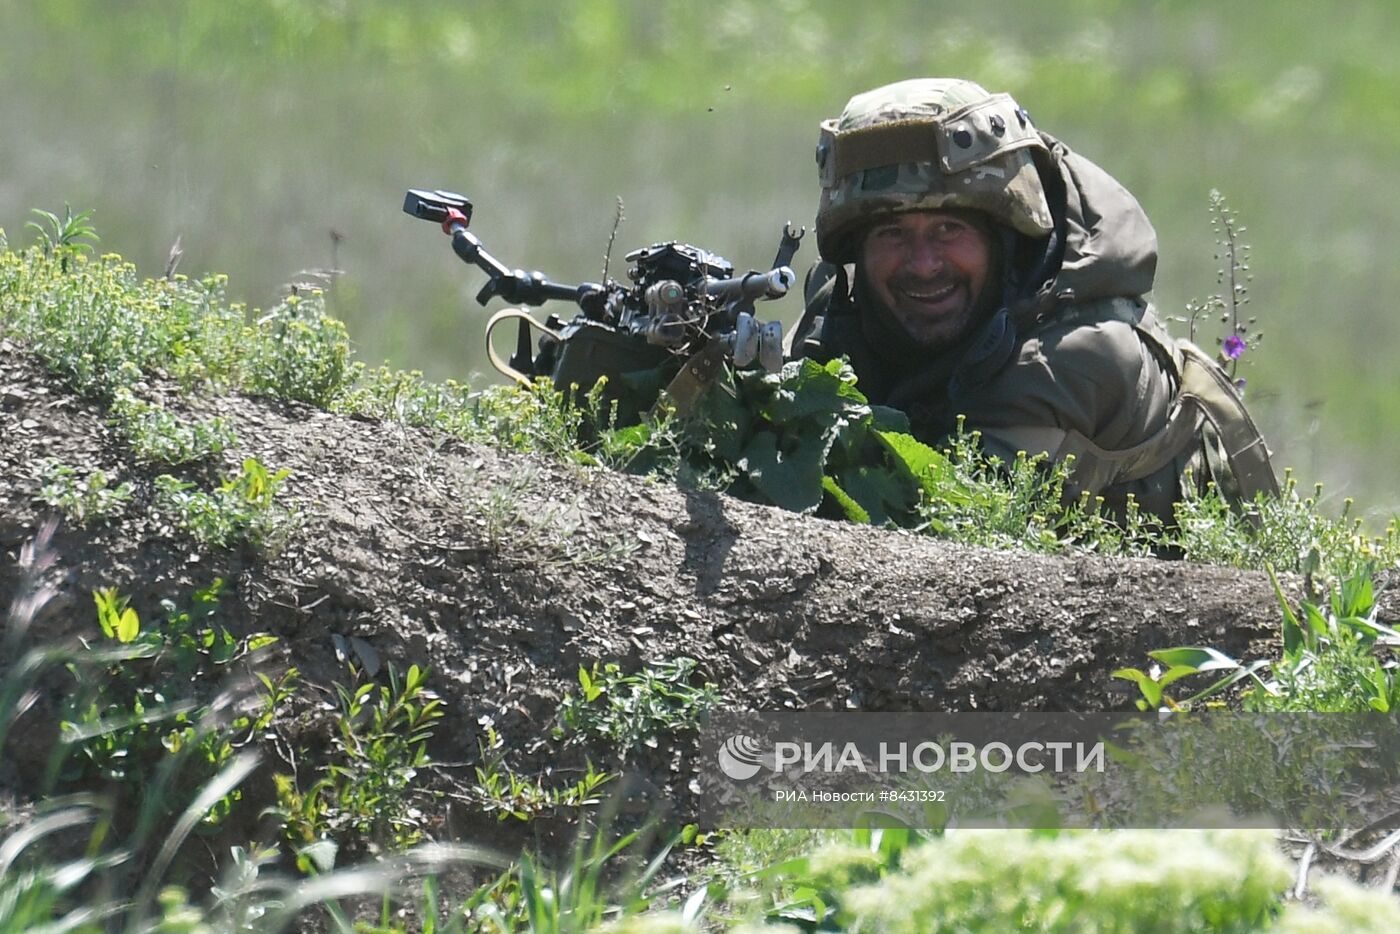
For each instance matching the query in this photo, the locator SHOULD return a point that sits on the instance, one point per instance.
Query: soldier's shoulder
(1098, 340)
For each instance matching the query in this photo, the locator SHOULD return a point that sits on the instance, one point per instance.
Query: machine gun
(683, 315)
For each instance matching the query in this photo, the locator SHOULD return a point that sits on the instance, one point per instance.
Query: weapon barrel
(754, 285)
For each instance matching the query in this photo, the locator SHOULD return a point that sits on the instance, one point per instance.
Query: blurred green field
(275, 136)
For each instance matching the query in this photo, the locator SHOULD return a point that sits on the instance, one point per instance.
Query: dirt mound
(505, 573)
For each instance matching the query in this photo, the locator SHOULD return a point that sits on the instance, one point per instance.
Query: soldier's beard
(911, 337)
(935, 313)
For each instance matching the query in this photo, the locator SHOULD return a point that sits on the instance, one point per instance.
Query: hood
(1110, 246)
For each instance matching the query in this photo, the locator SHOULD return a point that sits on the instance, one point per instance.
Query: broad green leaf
(1371, 626)
(631, 437)
(1380, 697)
(725, 423)
(107, 612)
(128, 625)
(814, 389)
(1239, 674)
(1151, 690)
(912, 454)
(1292, 631)
(883, 493)
(1177, 672)
(925, 465)
(1356, 596)
(1197, 659)
(850, 445)
(884, 418)
(792, 481)
(849, 507)
(799, 867)
(1317, 625)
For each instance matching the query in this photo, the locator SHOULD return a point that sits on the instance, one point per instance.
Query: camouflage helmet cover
(925, 144)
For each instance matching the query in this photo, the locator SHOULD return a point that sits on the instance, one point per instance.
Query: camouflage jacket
(1087, 369)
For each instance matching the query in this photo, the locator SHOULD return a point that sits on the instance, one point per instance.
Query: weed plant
(1233, 276)
(637, 710)
(158, 436)
(553, 536)
(101, 328)
(1000, 880)
(68, 236)
(365, 792)
(499, 790)
(1289, 532)
(145, 693)
(82, 497)
(805, 438)
(1336, 659)
(242, 509)
(151, 712)
(590, 890)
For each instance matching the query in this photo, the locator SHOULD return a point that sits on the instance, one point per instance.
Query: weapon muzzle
(754, 285)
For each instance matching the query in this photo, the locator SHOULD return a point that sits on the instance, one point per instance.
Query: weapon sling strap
(696, 376)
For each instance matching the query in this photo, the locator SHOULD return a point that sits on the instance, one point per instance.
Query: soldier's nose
(925, 259)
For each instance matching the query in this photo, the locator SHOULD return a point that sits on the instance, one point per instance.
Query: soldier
(975, 266)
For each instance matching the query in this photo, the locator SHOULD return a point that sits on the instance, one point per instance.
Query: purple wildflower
(1234, 347)
(1239, 385)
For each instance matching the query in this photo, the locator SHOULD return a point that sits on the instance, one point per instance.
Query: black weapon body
(682, 302)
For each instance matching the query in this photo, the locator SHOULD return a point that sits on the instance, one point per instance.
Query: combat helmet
(925, 144)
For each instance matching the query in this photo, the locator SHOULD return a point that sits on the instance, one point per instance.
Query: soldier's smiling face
(929, 268)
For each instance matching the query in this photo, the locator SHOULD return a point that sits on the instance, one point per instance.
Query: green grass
(1174, 98)
(999, 880)
(146, 718)
(241, 510)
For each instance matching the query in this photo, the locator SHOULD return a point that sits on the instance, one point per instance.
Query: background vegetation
(273, 138)
(147, 714)
(166, 711)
